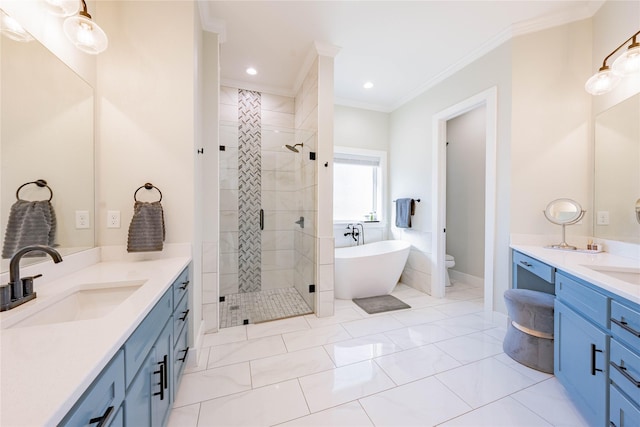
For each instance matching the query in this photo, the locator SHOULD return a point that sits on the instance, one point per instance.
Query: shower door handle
(261, 219)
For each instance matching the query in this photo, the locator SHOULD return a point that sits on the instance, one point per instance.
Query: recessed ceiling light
(367, 85)
(252, 71)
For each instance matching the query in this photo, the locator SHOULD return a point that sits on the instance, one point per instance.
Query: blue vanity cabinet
(596, 343)
(138, 386)
(101, 402)
(581, 346)
(580, 362)
(149, 396)
(155, 379)
(624, 370)
(529, 273)
(180, 328)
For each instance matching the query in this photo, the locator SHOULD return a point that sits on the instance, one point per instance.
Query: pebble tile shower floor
(261, 306)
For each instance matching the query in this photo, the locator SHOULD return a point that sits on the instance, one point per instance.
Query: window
(357, 184)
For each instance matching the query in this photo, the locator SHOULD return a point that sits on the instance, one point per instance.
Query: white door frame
(488, 98)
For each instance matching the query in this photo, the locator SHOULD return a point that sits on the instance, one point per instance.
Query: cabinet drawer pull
(184, 285)
(624, 325)
(625, 374)
(103, 419)
(183, 358)
(594, 350)
(526, 264)
(163, 377)
(185, 313)
(165, 365)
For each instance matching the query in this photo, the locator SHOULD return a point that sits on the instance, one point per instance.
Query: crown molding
(273, 90)
(326, 49)
(344, 102)
(485, 48)
(318, 49)
(515, 30)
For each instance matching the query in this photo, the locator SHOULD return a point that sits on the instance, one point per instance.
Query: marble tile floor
(261, 306)
(438, 363)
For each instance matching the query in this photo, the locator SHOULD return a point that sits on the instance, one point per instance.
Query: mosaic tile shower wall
(249, 191)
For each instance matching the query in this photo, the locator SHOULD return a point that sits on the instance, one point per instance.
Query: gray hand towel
(404, 210)
(30, 223)
(146, 231)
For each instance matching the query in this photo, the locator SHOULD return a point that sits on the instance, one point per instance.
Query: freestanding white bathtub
(369, 270)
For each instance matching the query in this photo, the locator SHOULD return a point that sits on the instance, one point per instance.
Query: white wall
(145, 116)
(324, 178)
(410, 150)
(359, 128)
(206, 188)
(466, 147)
(551, 149)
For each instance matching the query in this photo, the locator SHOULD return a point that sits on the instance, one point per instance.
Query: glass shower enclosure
(267, 246)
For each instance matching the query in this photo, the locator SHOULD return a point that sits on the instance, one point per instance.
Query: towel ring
(40, 183)
(147, 186)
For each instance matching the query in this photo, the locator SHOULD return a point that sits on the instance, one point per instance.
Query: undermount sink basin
(627, 274)
(89, 301)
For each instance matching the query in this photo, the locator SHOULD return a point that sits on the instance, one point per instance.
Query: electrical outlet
(602, 218)
(113, 219)
(82, 220)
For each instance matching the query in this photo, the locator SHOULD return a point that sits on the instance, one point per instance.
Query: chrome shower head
(293, 147)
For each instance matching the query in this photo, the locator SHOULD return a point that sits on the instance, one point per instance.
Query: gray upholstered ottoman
(529, 338)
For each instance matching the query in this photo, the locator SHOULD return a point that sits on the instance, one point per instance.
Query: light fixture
(63, 7)
(11, 28)
(252, 71)
(85, 34)
(628, 63)
(367, 85)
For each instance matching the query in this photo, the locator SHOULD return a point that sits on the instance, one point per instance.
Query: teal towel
(404, 210)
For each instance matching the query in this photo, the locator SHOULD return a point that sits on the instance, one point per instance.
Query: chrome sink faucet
(20, 290)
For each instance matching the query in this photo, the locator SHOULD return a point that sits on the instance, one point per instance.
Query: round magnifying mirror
(563, 212)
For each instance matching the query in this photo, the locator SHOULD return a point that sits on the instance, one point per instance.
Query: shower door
(267, 260)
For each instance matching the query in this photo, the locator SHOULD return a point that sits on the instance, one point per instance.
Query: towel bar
(147, 186)
(39, 183)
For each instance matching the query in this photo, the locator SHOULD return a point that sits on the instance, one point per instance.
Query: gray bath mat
(380, 304)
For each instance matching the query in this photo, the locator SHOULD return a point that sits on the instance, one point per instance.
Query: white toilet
(449, 262)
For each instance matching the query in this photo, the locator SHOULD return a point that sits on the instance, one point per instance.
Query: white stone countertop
(576, 264)
(45, 369)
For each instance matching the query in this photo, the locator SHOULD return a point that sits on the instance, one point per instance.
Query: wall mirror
(46, 132)
(563, 212)
(617, 172)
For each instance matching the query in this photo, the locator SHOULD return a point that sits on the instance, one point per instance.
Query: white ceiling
(403, 47)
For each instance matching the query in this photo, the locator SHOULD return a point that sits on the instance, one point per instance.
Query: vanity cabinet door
(149, 397)
(100, 403)
(162, 396)
(623, 413)
(581, 354)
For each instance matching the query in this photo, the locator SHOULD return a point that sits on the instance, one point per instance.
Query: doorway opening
(488, 99)
(465, 196)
